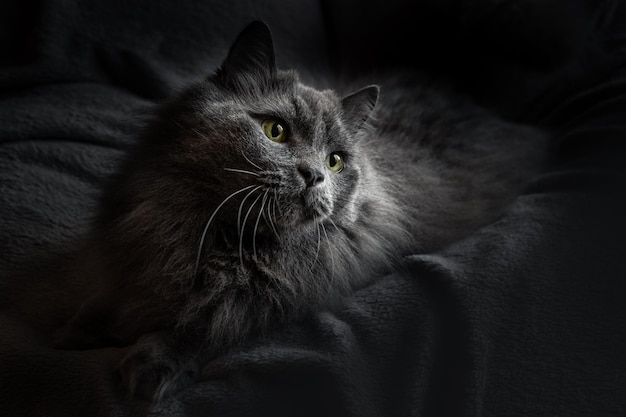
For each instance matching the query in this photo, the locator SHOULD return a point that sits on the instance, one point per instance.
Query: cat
(252, 200)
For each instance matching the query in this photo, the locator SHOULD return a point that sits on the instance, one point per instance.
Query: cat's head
(255, 138)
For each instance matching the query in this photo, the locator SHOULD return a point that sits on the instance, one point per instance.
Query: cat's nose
(311, 176)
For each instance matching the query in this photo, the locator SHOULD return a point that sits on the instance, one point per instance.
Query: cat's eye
(334, 162)
(274, 130)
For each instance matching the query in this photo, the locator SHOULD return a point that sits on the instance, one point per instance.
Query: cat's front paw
(153, 370)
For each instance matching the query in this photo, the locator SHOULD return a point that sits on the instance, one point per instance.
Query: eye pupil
(274, 130)
(334, 162)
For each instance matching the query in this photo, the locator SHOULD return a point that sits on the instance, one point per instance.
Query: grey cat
(252, 200)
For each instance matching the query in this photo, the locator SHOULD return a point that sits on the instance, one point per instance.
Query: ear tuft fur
(251, 53)
(358, 106)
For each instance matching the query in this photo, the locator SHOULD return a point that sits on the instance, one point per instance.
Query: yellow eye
(334, 162)
(274, 130)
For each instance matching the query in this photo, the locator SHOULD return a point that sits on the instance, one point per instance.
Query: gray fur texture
(212, 233)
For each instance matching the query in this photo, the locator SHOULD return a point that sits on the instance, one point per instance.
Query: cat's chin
(314, 216)
(300, 218)
(315, 208)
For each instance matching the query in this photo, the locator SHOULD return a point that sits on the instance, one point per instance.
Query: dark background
(523, 318)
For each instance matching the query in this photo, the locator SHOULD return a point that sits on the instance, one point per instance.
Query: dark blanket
(524, 318)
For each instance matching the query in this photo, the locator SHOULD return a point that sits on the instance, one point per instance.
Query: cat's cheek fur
(347, 194)
(352, 210)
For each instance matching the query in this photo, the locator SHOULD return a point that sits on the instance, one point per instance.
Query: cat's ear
(252, 53)
(358, 106)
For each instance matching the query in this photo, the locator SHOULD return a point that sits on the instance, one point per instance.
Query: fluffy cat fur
(211, 233)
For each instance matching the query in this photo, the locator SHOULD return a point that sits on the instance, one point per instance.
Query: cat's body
(252, 200)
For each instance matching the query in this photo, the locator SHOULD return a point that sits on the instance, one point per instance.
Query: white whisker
(241, 208)
(243, 225)
(333, 223)
(197, 132)
(251, 163)
(243, 171)
(275, 204)
(208, 223)
(272, 203)
(265, 216)
(256, 225)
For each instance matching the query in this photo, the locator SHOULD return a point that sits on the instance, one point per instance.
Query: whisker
(256, 225)
(243, 171)
(275, 204)
(333, 223)
(251, 163)
(197, 132)
(241, 208)
(265, 218)
(208, 223)
(271, 202)
(243, 225)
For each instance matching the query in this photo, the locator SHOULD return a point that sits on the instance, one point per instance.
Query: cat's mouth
(275, 204)
(268, 212)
